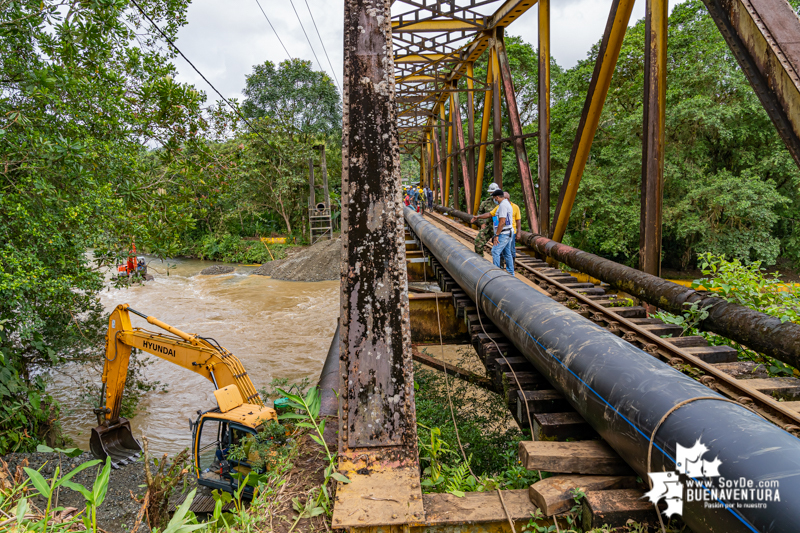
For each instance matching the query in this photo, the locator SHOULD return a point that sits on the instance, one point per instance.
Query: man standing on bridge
(503, 239)
(486, 232)
(516, 223)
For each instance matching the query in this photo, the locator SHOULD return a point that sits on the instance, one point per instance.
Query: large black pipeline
(623, 393)
(761, 332)
(328, 383)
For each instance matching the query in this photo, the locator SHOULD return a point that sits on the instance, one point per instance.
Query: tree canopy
(304, 102)
(82, 89)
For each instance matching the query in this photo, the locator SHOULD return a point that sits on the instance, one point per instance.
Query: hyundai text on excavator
(240, 411)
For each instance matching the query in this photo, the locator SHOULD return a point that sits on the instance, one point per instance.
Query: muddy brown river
(278, 329)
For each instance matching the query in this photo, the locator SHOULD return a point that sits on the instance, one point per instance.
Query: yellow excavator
(240, 411)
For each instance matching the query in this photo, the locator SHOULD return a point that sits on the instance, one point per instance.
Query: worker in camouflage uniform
(487, 231)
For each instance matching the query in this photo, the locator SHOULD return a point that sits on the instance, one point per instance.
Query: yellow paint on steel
(429, 141)
(273, 240)
(609, 62)
(487, 110)
(420, 78)
(544, 116)
(437, 26)
(419, 58)
(448, 166)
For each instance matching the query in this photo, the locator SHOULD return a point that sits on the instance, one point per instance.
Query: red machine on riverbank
(134, 266)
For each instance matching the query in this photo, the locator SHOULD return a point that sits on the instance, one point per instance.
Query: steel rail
(721, 382)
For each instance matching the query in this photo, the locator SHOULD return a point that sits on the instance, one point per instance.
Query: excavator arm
(201, 355)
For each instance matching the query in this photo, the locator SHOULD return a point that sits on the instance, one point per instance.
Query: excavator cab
(218, 431)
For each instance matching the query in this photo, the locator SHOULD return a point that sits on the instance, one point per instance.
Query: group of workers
(502, 233)
(418, 198)
(504, 229)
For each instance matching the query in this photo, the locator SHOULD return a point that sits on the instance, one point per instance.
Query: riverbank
(318, 262)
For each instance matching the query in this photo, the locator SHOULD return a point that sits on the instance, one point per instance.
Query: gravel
(320, 262)
(118, 512)
(216, 270)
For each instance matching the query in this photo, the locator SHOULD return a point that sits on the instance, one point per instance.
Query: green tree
(729, 181)
(83, 86)
(304, 102)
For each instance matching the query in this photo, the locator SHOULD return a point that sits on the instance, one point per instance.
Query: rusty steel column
(438, 156)
(459, 131)
(471, 130)
(375, 367)
(544, 117)
(497, 119)
(763, 36)
(518, 142)
(655, 94)
(607, 56)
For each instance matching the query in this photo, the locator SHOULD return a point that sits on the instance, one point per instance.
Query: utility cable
(273, 29)
(304, 33)
(330, 64)
(446, 382)
(173, 45)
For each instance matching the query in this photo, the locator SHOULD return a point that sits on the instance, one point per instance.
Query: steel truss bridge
(408, 67)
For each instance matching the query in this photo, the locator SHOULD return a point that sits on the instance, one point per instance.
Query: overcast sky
(225, 38)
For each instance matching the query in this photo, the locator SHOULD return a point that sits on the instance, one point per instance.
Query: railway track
(716, 367)
(594, 404)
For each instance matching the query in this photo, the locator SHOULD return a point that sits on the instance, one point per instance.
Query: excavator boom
(201, 355)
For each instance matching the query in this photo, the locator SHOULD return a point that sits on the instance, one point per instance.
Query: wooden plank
(687, 342)
(794, 406)
(782, 388)
(715, 354)
(629, 312)
(518, 363)
(613, 508)
(578, 457)
(540, 401)
(553, 495)
(477, 507)
(663, 329)
(561, 426)
(743, 369)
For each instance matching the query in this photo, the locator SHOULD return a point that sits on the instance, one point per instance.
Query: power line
(273, 29)
(333, 71)
(172, 44)
(304, 33)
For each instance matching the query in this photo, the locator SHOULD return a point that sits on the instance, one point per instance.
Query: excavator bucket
(116, 442)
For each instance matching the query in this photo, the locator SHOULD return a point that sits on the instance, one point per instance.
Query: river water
(278, 329)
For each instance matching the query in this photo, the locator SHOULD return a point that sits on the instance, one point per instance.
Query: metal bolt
(394, 516)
